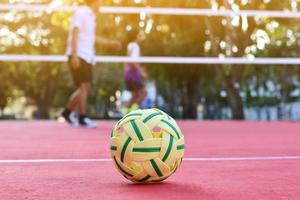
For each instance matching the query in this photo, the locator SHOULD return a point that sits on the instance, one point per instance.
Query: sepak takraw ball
(147, 146)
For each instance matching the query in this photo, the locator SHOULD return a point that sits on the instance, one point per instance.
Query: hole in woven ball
(157, 132)
(156, 129)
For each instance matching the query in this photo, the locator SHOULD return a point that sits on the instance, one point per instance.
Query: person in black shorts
(81, 52)
(83, 73)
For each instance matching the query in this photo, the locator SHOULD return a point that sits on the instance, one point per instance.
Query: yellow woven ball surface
(147, 146)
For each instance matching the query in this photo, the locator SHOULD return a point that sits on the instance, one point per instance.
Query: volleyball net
(159, 11)
(153, 60)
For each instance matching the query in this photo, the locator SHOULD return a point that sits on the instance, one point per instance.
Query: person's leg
(83, 97)
(142, 93)
(131, 105)
(72, 104)
(74, 99)
(138, 94)
(132, 99)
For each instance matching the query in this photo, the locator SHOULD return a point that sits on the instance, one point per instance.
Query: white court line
(101, 160)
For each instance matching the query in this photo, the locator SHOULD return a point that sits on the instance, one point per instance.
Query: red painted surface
(194, 180)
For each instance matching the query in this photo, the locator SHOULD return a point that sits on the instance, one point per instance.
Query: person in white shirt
(81, 52)
(134, 74)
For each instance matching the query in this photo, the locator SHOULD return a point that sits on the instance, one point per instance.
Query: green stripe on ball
(156, 168)
(172, 127)
(151, 116)
(124, 149)
(137, 130)
(146, 150)
(169, 149)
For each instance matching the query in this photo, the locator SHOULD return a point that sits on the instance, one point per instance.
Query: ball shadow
(168, 189)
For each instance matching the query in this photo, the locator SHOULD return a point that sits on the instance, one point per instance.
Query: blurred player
(134, 74)
(81, 51)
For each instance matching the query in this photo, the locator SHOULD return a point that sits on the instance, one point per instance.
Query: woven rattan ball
(147, 146)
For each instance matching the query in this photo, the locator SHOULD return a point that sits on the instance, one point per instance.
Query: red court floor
(46, 160)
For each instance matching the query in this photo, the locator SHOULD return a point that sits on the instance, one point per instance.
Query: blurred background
(39, 90)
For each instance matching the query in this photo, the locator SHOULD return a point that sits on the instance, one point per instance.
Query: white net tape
(166, 60)
(159, 11)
